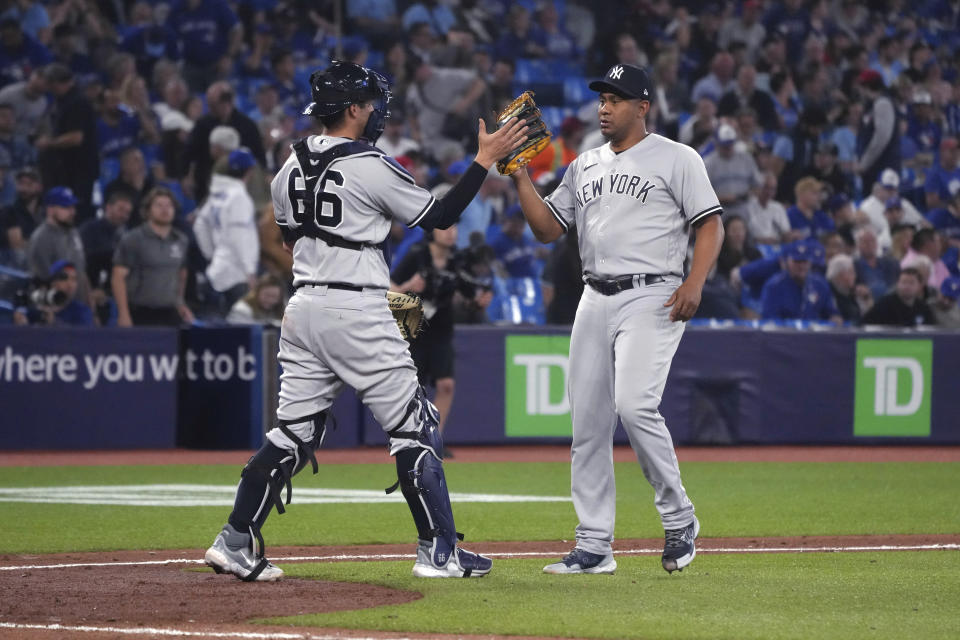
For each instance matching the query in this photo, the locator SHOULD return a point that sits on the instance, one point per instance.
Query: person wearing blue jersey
(944, 176)
(806, 217)
(797, 293)
(947, 217)
(208, 31)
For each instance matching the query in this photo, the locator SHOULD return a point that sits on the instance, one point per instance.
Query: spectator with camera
(58, 239)
(149, 268)
(434, 270)
(52, 301)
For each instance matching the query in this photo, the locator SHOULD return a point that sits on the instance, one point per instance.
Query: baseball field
(795, 543)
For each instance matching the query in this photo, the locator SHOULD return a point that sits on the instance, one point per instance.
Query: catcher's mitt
(538, 136)
(407, 310)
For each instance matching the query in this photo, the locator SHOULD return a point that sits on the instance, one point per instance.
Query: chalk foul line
(515, 554)
(186, 633)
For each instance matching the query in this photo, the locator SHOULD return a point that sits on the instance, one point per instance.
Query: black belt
(330, 285)
(622, 283)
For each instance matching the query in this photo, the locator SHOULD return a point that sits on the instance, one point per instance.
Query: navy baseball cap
(60, 197)
(241, 159)
(625, 80)
(950, 287)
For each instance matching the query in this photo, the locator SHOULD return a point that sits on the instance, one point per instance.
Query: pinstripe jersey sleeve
(692, 187)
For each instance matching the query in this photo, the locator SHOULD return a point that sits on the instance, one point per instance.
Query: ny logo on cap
(616, 72)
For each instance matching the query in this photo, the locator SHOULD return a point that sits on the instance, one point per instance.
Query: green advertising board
(893, 383)
(536, 386)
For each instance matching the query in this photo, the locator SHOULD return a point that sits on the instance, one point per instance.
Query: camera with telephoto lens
(38, 293)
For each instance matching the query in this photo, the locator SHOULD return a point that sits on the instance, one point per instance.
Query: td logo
(893, 383)
(536, 386)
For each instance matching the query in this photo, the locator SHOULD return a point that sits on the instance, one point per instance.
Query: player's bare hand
(685, 301)
(493, 146)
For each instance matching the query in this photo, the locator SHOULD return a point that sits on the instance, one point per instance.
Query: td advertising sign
(893, 383)
(536, 386)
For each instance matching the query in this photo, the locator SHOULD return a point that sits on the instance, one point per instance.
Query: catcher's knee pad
(426, 422)
(268, 471)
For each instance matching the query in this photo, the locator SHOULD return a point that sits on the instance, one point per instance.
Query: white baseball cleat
(232, 552)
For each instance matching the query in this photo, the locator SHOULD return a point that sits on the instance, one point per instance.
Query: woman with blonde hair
(263, 305)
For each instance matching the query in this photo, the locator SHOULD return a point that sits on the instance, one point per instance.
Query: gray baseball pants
(620, 353)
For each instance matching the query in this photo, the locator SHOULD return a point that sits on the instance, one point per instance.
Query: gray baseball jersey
(632, 209)
(355, 199)
(633, 212)
(334, 336)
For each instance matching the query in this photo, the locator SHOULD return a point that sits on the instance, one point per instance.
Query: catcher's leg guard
(267, 472)
(424, 486)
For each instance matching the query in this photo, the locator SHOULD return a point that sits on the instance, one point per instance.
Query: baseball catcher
(334, 200)
(538, 136)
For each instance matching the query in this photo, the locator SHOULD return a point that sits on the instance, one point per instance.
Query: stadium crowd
(138, 138)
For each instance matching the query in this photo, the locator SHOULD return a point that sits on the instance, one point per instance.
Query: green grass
(854, 595)
(849, 595)
(743, 499)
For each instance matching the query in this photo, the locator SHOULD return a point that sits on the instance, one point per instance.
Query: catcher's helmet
(345, 83)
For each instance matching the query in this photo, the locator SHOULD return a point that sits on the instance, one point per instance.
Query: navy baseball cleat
(580, 561)
(233, 552)
(679, 546)
(460, 564)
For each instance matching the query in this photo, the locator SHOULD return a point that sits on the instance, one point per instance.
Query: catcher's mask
(345, 83)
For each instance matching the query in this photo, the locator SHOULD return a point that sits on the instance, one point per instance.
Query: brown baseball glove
(538, 136)
(407, 310)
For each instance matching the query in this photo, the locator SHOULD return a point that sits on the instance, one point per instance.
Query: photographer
(58, 239)
(436, 272)
(53, 301)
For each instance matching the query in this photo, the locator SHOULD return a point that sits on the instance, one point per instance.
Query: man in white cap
(733, 173)
(872, 208)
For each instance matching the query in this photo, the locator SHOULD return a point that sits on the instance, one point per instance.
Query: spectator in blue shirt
(289, 93)
(149, 44)
(521, 39)
(796, 293)
(923, 129)
(941, 177)
(513, 249)
(806, 217)
(947, 218)
(208, 30)
(19, 53)
(117, 126)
